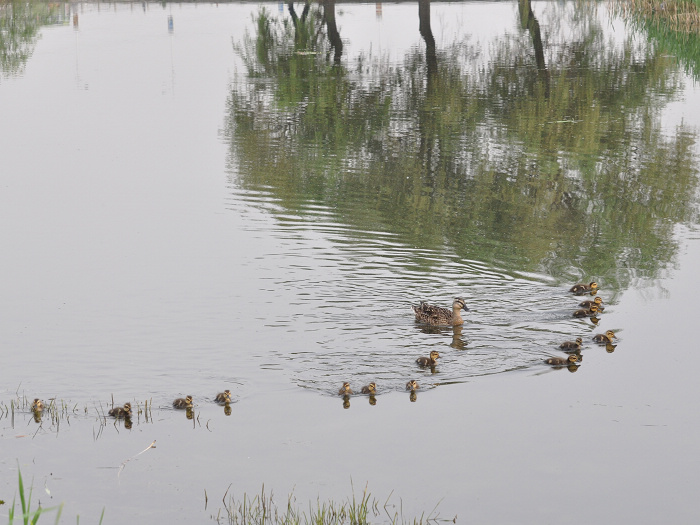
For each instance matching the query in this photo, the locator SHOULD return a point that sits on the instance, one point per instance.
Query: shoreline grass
(263, 509)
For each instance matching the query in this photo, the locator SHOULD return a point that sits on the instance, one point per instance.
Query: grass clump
(262, 509)
(28, 515)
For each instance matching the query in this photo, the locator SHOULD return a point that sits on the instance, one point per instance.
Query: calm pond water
(207, 196)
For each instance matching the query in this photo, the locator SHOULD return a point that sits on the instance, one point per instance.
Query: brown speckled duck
(587, 312)
(37, 405)
(605, 338)
(597, 301)
(561, 361)
(439, 316)
(369, 389)
(583, 288)
(121, 412)
(572, 345)
(428, 361)
(223, 397)
(183, 403)
(412, 385)
(345, 390)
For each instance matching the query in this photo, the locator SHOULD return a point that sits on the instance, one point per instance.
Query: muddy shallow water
(189, 206)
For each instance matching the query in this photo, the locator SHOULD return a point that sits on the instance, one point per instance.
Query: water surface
(199, 197)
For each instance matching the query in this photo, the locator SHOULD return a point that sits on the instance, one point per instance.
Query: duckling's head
(412, 385)
(372, 387)
(593, 285)
(598, 300)
(579, 341)
(127, 408)
(573, 358)
(345, 387)
(434, 355)
(227, 395)
(594, 308)
(188, 400)
(460, 304)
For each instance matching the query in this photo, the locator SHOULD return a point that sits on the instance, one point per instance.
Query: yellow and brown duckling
(428, 361)
(223, 397)
(37, 405)
(412, 385)
(605, 338)
(597, 301)
(583, 288)
(370, 389)
(121, 412)
(572, 345)
(587, 312)
(439, 316)
(561, 361)
(345, 390)
(183, 402)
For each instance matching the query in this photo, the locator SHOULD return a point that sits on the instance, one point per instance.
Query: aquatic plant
(28, 515)
(262, 508)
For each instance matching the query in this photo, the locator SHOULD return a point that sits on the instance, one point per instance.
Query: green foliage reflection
(540, 159)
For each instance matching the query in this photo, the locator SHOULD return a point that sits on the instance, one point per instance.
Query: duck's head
(594, 308)
(610, 334)
(579, 341)
(598, 300)
(593, 285)
(345, 387)
(127, 408)
(434, 355)
(227, 395)
(459, 303)
(188, 400)
(372, 387)
(412, 385)
(573, 358)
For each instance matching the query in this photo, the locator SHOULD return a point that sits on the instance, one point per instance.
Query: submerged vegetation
(366, 509)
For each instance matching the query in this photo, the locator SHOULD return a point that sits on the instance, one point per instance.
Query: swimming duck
(436, 315)
(223, 397)
(369, 389)
(587, 312)
(428, 361)
(121, 412)
(37, 405)
(560, 361)
(605, 338)
(583, 288)
(183, 403)
(412, 385)
(345, 390)
(572, 345)
(597, 301)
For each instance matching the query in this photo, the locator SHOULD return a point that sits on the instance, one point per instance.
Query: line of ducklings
(428, 314)
(124, 411)
(588, 308)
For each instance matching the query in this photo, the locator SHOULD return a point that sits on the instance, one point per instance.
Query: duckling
(597, 301)
(183, 403)
(412, 385)
(345, 390)
(223, 397)
(605, 338)
(572, 345)
(428, 361)
(587, 312)
(436, 315)
(37, 405)
(369, 389)
(561, 361)
(583, 288)
(121, 412)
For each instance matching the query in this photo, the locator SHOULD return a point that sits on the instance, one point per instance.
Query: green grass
(262, 509)
(28, 515)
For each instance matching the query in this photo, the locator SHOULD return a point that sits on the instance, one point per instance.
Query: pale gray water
(152, 249)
